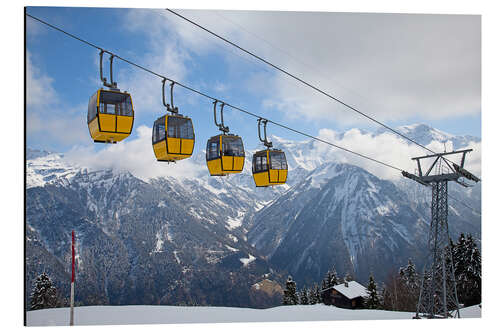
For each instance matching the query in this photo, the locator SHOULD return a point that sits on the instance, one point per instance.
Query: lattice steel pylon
(438, 292)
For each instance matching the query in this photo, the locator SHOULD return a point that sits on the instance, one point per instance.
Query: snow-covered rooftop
(352, 290)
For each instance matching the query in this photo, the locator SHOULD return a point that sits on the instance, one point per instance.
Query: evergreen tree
(290, 294)
(410, 276)
(333, 277)
(44, 294)
(467, 263)
(323, 284)
(310, 295)
(372, 300)
(410, 287)
(326, 280)
(304, 299)
(316, 295)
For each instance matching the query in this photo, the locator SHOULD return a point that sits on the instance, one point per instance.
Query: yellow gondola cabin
(269, 168)
(110, 116)
(225, 154)
(176, 142)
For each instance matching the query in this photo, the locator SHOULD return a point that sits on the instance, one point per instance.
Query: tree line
(400, 291)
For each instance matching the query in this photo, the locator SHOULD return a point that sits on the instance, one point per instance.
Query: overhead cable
(302, 81)
(211, 97)
(226, 103)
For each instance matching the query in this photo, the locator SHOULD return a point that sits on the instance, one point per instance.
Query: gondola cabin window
(115, 103)
(232, 146)
(180, 128)
(278, 161)
(212, 150)
(260, 163)
(159, 130)
(92, 112)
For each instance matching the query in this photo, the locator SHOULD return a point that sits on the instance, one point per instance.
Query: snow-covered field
(150, 314)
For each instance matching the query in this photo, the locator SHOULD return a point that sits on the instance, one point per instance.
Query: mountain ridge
(224, 227)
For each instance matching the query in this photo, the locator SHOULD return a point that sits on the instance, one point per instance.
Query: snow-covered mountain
(425, 134)
(209, 239)
(342, 216)
(167, 241)
(43, 167)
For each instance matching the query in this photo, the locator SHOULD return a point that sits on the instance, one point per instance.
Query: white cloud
(39, 90)
(134, 155)
(48, 120)
(386, 148)
(391, 66)
(164, 55)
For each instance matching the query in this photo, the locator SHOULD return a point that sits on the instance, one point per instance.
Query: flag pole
(72, 301)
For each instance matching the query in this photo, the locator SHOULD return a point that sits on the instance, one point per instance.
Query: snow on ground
(231, 248)
(235, 222)
(248, 260)
(151, 314)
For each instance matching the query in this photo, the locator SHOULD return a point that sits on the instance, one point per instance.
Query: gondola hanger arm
(266, 143)
(112, 84)
(170, 107)
(222, 128)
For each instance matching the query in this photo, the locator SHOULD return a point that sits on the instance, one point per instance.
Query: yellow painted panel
(160, 150)
(227, 163)
(273, 176)
(283, 175)
(108, 122)
(175, 157)
(174, 145)
(239, 162)
(187, 146)
(116, 137)
(261, 179)
(109, 137)
(214, 167)
(94, 128)
(124, 124)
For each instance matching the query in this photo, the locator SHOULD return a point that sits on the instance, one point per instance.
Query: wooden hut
(347, 295)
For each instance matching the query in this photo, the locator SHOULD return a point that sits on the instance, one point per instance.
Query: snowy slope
(143, 314)
(44, 167)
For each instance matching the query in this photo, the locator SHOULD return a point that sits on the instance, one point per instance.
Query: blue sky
(390, 82)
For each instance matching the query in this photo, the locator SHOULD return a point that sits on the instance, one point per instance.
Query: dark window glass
(263, 163)
(159, 130)
(259, 163)
(213, 149)
(115, 103)
(186, 128)
(232, 146)
(172, 127)
(180, 128)
(92, 111)
(278, 160)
